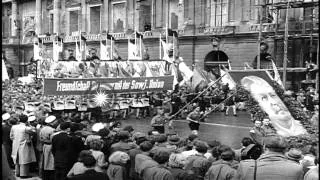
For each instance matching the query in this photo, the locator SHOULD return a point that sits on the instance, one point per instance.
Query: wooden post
(285, 55)
(259, 37)
(317, 77)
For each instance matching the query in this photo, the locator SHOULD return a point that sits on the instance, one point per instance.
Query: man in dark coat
(265, 58)
(77, 145)
(61, 142)
(89, 162)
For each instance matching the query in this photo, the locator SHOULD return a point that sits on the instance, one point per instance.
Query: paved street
(227, 129)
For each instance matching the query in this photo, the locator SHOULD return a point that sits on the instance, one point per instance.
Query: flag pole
(111, 48)
(141, 47)
(160, 46)
(285, 55)
(128, 47)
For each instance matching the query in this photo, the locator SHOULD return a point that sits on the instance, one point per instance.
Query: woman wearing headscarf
(117, 168)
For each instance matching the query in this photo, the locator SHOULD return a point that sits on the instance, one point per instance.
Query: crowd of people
(67, 150)
(83, 143)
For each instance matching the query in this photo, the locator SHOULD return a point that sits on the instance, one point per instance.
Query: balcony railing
(266, 27)
(220, 30)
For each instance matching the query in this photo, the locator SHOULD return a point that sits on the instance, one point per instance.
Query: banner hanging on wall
(75, 86)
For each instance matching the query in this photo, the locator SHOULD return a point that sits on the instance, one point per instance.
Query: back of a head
(83, 154)
(161, 156)
(146, 146)
(275, 143)
(228, 155)
(89, 161)
(23, 118)
(74, 127)
(201, 146)
(123, 135)
(64, 125)
(246, 141)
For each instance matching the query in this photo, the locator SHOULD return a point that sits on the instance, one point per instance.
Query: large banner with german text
(78, 86)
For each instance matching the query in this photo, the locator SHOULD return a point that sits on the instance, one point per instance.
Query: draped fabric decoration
(87, 69)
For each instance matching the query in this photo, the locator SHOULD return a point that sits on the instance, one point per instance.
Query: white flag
(5, 75)
(55, 51)
(78, 52)
(104, 52)
(36, 52)
(226, 78)
(133, 51)
(185, 71)
(165, 52)
(277, 77)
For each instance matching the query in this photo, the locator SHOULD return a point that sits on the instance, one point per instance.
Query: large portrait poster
(259, 84)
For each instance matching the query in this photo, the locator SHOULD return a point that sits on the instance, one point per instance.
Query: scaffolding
(304, 31)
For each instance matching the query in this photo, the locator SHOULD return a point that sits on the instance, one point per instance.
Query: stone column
(38, 17)
(105, 19)
(14, 17)
(83, 16)
(56, 16)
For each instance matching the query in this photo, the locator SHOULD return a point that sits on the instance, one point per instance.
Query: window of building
(159, 14)
(95, 17)
(219, 12)
(73, 21)
(51, 23)
(6, 26)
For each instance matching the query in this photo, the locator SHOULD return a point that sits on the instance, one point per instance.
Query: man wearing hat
(294, 155)
(159, 121)
(22, 147)
(272, 165)
(45, 136)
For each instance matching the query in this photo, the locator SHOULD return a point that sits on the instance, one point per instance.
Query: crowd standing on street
(64, 144)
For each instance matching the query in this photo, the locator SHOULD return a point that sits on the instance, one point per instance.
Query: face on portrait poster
(259, 84)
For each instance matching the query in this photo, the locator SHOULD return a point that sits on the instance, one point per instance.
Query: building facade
(236, 22)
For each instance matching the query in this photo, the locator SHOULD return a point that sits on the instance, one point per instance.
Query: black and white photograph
(160, 89)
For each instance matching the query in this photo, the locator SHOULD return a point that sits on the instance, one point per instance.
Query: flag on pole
(56, 49)
(227, 79)
(198, 79)
(36, 51)
(276, 77)
(185, 72)
(165, 51)
(133, 50)
(78, 52)
(104, 51)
